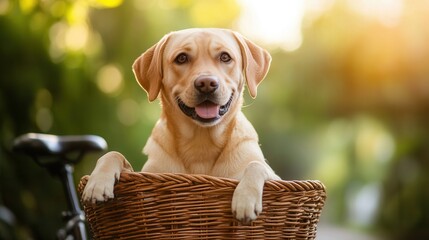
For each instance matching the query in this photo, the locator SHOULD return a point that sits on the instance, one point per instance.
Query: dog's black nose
(206, 84)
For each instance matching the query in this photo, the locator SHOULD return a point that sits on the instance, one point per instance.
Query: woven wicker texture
(183, 206)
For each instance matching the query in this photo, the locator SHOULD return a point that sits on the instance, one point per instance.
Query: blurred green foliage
(350, 106)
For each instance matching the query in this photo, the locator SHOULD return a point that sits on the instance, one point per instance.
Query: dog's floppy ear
(148, 69)
(256, 62)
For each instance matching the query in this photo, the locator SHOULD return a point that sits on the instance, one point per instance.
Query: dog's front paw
(99, 188)
(246, 203)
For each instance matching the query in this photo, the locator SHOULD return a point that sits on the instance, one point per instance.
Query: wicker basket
(182, 206)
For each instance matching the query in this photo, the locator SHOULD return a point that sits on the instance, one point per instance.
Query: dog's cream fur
(225, 146)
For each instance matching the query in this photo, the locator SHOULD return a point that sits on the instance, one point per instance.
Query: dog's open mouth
(206, 111)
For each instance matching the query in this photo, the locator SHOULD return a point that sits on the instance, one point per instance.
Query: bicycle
(59, 154)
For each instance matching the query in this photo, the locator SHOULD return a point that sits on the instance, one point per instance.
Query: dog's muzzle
(207, 111)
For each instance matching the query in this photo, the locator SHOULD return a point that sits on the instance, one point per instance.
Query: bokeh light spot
(110, 79)
(76, 37)
(106, 3)
(58, 8)
(44, 119)
(27, 5)
(373, 143)
(4, 7)
(43, 98)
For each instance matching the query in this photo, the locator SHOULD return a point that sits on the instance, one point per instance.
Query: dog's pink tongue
(207, 110)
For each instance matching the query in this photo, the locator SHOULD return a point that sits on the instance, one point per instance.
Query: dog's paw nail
(257, 212)
(246, 220)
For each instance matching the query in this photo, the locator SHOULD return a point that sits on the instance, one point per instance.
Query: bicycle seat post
(75, 214)
(65, 173)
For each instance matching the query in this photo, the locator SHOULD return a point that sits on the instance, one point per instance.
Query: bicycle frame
(74, 217)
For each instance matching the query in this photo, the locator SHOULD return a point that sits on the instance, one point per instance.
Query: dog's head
(201, 72)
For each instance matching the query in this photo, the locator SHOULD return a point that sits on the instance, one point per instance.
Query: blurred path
(329, 232)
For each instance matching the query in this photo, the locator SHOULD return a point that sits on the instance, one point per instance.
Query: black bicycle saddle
(39, 145)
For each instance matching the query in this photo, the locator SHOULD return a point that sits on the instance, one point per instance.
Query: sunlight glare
(387, 12)
(273, 22)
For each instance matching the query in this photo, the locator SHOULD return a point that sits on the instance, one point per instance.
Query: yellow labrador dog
(199, 75)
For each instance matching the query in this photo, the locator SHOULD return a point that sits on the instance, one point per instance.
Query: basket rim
(276, 185)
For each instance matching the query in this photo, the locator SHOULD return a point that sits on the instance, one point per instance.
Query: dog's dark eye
(181, 58)
(224, 57)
